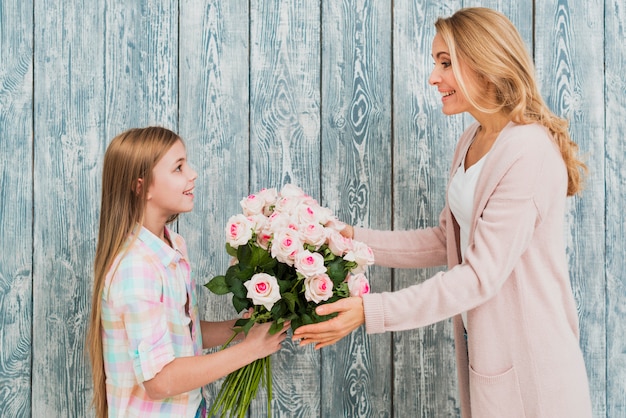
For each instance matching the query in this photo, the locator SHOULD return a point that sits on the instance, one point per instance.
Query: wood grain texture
(567, 59)
(213, 121)
(141, 59)
(16, 217)
(356, 183)
(330, 95)
(615, 186)
(284, 148)
(68, 109)
(424, 368)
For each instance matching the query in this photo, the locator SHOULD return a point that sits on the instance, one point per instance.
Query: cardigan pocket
(495, 396)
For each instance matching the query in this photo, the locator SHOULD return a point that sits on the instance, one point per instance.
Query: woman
(500, 233)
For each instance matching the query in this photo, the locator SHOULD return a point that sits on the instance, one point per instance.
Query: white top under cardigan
(461, 201)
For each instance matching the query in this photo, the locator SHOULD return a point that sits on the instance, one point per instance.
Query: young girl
(145, 339)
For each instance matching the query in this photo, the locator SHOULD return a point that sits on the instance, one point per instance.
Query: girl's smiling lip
(189, 192)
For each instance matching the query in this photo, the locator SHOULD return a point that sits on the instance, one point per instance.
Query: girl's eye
(179, 167)
(446, 64)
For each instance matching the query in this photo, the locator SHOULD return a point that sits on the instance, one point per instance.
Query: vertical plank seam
(606, 235)
(392, 189)
(320, 173)
(32, 209)
(249, 95)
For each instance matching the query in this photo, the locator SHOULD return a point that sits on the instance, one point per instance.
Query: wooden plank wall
(331, 95)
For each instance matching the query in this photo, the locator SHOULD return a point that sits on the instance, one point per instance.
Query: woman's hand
(351, 316)
(348, 231)
(262, 342)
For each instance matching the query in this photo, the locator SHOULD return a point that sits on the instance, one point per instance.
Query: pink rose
(269, 196)
(263, 290)
(338, 244)
(318, 288)
(361, 254)
(252, 205)
(314, 234)
(291, 190)
(358, 284)
(238, 230)
(309, 264)
(285, 245)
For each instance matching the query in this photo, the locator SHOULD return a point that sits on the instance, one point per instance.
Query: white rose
(269, 196)
(309, 264)
(361, 254)
(358, 284)
(263, 290)
(318, 288)
(285, 245)
(337, 243)
(238, 230)
(314, 234)
(252, 205)
(291, 190)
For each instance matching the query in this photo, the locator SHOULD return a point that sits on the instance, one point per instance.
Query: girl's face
(442, 76)
(171, 191)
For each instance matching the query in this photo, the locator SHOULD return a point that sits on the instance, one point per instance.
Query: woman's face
(442, 76)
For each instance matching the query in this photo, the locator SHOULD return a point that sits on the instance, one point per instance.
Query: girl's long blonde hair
(489, 45)
(129, 157)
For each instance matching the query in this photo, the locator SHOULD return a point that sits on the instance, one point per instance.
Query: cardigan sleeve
(503, 231)
(418, 248)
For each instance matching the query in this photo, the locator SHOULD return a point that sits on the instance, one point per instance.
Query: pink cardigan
(522, 356)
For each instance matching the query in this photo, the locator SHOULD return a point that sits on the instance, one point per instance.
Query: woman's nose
(434, 77)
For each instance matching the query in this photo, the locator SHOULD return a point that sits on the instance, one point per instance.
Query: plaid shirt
(149, 317)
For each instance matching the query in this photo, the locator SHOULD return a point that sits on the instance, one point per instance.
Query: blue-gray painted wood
(16, 202)
(68, 107)
(615, 202)
(213, 120)
(356, 182)
(567, 57)
(284, 148)
(330, 95)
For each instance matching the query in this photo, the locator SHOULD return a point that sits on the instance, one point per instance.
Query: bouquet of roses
(288, 257)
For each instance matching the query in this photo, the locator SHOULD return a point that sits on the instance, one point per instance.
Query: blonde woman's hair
(129, 157)
(489, 45)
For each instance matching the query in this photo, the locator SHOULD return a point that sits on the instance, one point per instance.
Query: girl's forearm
(184, 374)
(216, 334)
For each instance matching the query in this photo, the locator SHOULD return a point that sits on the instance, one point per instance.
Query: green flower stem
(240, 388)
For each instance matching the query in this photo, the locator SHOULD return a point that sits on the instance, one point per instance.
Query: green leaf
(241, 304)
(337, 271)
(241, 322)
(276, 327)
(244, 255)
(237, 287)
(290, 300)
(218, 285)
(230, 250)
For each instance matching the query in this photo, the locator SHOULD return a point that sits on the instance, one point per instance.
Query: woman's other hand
(350, 316)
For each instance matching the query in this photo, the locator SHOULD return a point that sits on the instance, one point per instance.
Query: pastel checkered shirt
(149, 317)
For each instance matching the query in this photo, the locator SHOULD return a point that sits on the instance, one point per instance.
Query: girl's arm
(217, 333)
(187, 373)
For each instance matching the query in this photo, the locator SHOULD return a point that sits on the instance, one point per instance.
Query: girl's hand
(262, 341)
(351, 316)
